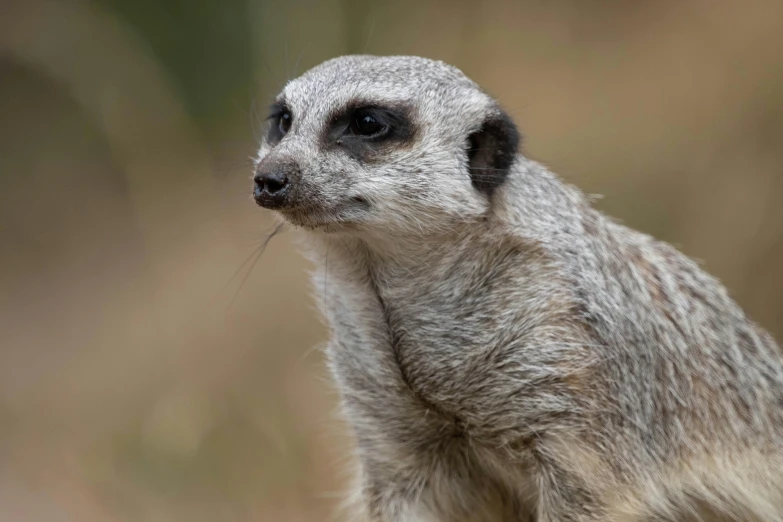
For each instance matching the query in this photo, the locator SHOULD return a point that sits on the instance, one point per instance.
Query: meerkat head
(381, 143)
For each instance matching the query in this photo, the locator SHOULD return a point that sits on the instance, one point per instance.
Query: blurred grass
(131, 388)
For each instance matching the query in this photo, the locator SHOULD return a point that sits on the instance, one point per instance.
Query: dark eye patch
(365, 130)
(280, 118)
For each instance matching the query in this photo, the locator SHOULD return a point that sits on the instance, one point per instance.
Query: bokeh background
(147, 374)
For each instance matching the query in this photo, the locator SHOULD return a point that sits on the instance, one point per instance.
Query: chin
(319, 220)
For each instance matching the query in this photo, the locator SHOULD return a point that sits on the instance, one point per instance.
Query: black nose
(271, 189)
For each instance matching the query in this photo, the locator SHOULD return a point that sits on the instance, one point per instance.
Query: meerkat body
(503, 351)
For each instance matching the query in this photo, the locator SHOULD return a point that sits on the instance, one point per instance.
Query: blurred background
(147, 374)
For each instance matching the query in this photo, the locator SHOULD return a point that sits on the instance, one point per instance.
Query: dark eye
(365, 124)
(284, 122)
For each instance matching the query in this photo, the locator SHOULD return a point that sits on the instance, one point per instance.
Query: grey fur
(518, 355)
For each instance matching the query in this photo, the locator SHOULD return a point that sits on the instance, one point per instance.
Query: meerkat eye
(281, 118)
(363, 129)
(284, 122)
(364, 123)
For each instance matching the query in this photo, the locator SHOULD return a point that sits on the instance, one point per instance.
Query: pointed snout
(273, 184)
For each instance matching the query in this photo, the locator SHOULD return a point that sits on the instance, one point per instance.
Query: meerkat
(502, 350)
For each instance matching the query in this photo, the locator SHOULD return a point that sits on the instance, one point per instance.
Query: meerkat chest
(424, 324)
(403, 316)
(429, 320)
(402, 350)
(383, 318)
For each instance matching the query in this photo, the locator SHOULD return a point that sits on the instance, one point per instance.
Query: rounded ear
(492, 150)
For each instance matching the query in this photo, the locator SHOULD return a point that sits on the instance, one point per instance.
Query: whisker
(301, 54)
(326, 271)
(253, 119)
(226, 169)
(256, 255)
(287, 68)
(369, 36)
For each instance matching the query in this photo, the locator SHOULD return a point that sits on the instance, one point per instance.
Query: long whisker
(255, 256)
(326, 271)
(369, 36)
(287, 68)
(299, 58)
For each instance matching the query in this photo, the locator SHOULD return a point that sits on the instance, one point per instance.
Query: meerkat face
(382, 143)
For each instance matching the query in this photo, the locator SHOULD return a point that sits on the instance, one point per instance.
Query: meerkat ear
(492, 150)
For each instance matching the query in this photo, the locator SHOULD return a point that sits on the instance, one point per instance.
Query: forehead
(346, 80)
